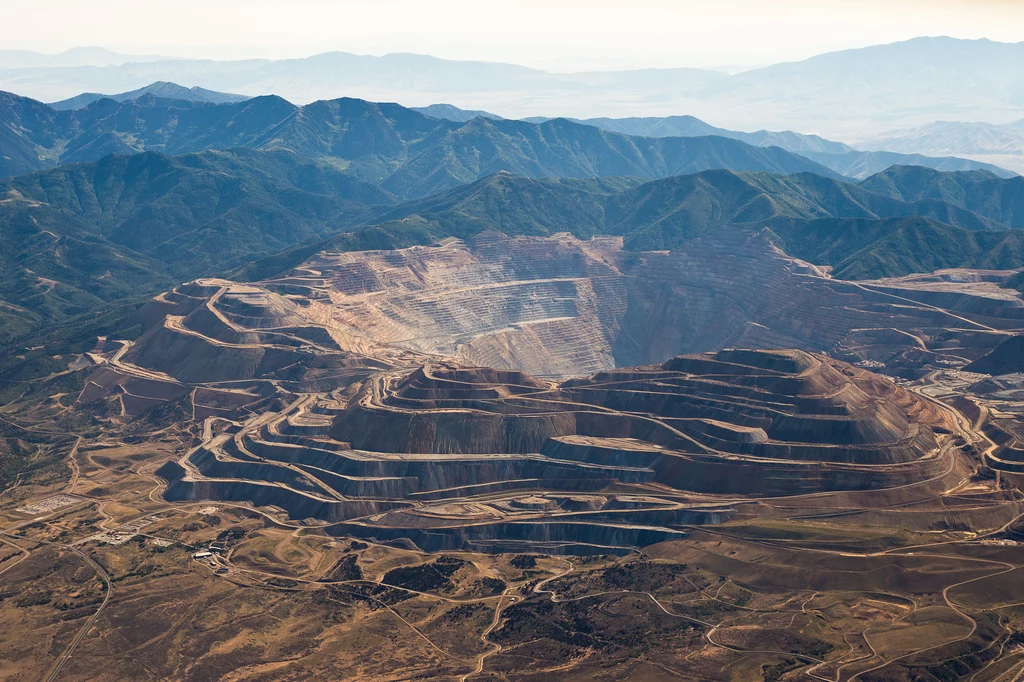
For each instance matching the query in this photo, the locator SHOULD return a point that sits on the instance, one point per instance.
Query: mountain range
(410, 152)
(838, 156)
(845, 95)
(404, 151)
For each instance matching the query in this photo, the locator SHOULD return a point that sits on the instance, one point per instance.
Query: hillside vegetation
(83, 234)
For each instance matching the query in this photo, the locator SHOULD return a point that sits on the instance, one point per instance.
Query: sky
(556, 35)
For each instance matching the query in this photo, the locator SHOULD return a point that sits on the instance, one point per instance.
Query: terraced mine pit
(545, 455)
(358, 390)
(622, 459)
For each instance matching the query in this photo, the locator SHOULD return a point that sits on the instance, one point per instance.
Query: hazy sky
(551, 34)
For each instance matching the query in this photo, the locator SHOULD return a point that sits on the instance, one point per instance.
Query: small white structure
(201, 555)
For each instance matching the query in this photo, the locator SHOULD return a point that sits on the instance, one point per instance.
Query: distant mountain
(667, 126)
(412, 78)
(406, 152)
(952, 137)
(837, 156)
(1002, 145)
(561, 148)
(450, 112)
(81, 234)
(860, 165)
(160, 89)
(689, 126)
(850, 94)
(917, 80)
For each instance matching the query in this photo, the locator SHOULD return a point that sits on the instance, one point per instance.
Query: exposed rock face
(1006, 358)
(214, 331)
(561, 307)
(564, 307)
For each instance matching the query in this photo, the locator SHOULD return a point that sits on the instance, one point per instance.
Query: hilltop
(160, 89)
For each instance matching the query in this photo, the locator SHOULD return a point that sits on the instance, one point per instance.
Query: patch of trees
(523, 561)
(139, 572)
(447, 565)
(422, 578)
(34, 598)
(231, 534)
(642, 576)
(532, 620)
(461, 613)
(346, 569)
(492, 585)
(774, 673)
(426, 577)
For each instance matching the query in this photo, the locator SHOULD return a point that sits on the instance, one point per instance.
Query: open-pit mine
(530, 458)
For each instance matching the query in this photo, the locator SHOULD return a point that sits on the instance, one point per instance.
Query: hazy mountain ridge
(690, 126)
(953, 137)
(837, 156)
(161, 89)
(845, 94)
(453, 113)
(862, 164)
(410, 153)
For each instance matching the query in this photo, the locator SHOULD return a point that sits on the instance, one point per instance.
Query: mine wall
(296, 505)
(708, 474)
(531, 485)
(207, 463)
(453, 432)
(192, 359)
(551, 536)
(434, 473)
